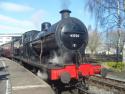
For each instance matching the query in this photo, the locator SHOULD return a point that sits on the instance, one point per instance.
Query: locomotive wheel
(34, 70)
(56, 90)
(80, 92)
(21, 63)
(83, 86)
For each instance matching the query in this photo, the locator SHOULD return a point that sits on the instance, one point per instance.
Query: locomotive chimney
(65, 13)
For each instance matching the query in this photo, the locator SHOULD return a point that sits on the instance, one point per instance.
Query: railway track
(109, 84)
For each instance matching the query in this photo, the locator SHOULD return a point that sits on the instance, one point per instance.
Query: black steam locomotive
(56, 52)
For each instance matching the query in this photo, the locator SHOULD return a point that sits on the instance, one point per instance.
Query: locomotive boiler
(67, 37)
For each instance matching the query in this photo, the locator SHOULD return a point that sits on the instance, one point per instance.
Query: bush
(117, 66)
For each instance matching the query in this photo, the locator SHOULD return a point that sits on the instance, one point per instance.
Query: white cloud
(15, 25)
(9, 24)
(9, 29)
(15, 21)
(14, 7)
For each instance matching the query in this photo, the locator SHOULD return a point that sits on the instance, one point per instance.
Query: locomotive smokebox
(65, 13)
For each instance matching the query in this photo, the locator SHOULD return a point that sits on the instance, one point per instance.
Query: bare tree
(94, 40)
(109, 14)
(113, 38)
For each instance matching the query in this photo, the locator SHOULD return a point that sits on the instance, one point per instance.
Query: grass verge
(115, 66)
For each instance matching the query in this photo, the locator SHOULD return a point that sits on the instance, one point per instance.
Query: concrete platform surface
(23, 81)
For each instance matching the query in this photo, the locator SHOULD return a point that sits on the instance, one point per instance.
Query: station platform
(23, 81)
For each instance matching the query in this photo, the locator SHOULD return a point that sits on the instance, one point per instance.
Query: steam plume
(65, 4)
(60, 59)
(56, 59)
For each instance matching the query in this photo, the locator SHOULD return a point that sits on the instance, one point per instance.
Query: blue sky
(19, 16)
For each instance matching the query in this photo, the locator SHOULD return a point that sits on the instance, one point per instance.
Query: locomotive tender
(57, 52)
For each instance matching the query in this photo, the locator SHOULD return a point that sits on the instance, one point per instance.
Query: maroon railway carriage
(6, 50)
